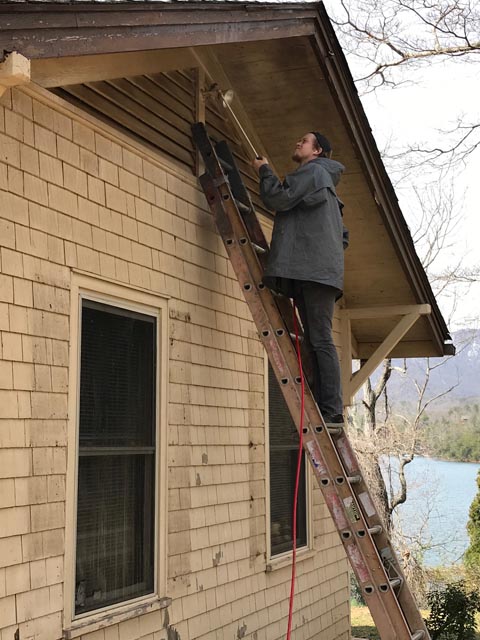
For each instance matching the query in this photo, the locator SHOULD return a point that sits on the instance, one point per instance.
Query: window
(116, 495)
(283, 450)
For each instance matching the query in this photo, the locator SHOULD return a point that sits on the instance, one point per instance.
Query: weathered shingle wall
(74, 195)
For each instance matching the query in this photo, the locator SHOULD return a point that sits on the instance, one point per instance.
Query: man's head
(312, 145)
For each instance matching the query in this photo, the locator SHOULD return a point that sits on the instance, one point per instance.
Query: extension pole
(226, 103)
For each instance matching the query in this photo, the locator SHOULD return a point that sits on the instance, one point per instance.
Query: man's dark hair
(321, 142)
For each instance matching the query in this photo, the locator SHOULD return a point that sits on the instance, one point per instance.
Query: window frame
(282, 559)
(127, 298)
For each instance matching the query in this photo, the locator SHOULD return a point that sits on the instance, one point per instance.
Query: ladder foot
(418, 635)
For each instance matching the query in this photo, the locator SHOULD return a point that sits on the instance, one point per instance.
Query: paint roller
(226, 98)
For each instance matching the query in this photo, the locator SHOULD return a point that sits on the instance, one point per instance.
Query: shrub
(355, 591)
(452, 612)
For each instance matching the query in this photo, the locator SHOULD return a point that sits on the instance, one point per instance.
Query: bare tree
(387, 441)
(387, 35)
(387, 41)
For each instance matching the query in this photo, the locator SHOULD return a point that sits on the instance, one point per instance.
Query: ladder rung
(243, 208)
(354, 479)
(374, 531)
(294, 337)
(395, 582)
(224, 164)
(418, 635)
(335, 431)
(258, 248)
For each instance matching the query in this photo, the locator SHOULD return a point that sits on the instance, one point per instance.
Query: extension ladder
(333, 461)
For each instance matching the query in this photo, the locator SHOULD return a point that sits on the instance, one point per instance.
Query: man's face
(306, 149)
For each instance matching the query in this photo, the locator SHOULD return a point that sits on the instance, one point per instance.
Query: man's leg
(316, 305)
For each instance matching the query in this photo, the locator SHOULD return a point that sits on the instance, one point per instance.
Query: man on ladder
(306, 256)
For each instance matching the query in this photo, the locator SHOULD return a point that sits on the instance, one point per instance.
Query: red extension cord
(297, 478)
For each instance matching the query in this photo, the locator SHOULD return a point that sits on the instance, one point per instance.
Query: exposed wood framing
(385, 312)
(409, 313)
(405, 349)
(61, 72)
(14, 70)
(346, 359)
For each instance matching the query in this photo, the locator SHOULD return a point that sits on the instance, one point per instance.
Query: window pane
(284, 442)
(283, 467)
(117, 394)
(116, 471)
(114, 529)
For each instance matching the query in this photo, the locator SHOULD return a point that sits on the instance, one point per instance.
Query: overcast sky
(415, 115)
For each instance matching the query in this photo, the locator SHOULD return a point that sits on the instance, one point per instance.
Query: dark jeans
(316, 304)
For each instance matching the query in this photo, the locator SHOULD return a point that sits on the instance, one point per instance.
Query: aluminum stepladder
(334, 463)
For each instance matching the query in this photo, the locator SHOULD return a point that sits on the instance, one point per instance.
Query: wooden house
(145, 453)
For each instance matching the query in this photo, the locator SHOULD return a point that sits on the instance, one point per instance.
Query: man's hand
(259, 162)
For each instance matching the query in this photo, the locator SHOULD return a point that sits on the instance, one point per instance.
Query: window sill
(286, 560)
(112, 616)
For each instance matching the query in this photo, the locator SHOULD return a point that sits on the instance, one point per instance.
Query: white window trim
(284, 559)
(100, 290)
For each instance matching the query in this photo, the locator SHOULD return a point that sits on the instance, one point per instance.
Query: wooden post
(199, 114)
(346, 359)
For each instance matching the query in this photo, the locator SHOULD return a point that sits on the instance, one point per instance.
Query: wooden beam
(126, 33)
(405, 349)
(385, 312)
(55, 16)
(60, 72)
(346, 359)
(382, 352)
(355, 347)
(14, 71)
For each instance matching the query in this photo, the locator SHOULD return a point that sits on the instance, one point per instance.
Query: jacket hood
(334, 168)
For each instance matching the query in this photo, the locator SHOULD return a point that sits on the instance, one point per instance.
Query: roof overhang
(383, 269)
(50, 30)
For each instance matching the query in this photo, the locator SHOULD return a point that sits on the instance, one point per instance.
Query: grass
(362, 623)
(363, 627)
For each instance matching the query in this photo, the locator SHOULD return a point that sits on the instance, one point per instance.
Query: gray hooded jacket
(308, 234)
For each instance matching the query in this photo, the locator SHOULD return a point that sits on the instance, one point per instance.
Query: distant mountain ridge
(462, 372)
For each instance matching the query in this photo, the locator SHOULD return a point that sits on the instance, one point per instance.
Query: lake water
(440, 495)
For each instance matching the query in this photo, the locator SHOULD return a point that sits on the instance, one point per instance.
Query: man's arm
(282, 197)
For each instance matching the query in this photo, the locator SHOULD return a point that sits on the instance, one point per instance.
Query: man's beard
(295, 157)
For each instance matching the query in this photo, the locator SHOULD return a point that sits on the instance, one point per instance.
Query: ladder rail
(371, 575)
(332, 458)
(382, 540)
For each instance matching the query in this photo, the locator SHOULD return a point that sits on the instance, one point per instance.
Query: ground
(363, 627)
